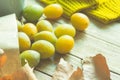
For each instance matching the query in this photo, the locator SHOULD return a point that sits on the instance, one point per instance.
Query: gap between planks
(89, 31)
(84, 36)
(43, 76)
(89, 46)
(47, 67)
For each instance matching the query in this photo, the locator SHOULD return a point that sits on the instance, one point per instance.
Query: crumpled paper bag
(9, 43)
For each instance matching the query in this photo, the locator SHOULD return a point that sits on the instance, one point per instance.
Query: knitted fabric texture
(105, 11)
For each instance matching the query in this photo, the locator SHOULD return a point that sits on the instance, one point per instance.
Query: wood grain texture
(48, 66)
(41, 76)
(107, 32)
(115, 76)
(89, 45)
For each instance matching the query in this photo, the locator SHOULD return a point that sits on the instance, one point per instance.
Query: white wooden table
(98, 38)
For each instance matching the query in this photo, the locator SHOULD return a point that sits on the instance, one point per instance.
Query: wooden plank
(41, 76)
(48, 66)
(114, 76)
(86, 45)
(109, 33)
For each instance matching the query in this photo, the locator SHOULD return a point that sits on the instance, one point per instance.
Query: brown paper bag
(9, 43)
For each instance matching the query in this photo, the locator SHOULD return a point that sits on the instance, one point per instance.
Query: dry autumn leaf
(77, 75)
(63, 70)
(101, 67)
(95, 68)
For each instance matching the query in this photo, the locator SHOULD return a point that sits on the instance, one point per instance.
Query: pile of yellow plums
(38, 39)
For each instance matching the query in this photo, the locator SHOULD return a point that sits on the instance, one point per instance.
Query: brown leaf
(63, 70)
(101, 67)
(77, 75)
(95, 68)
